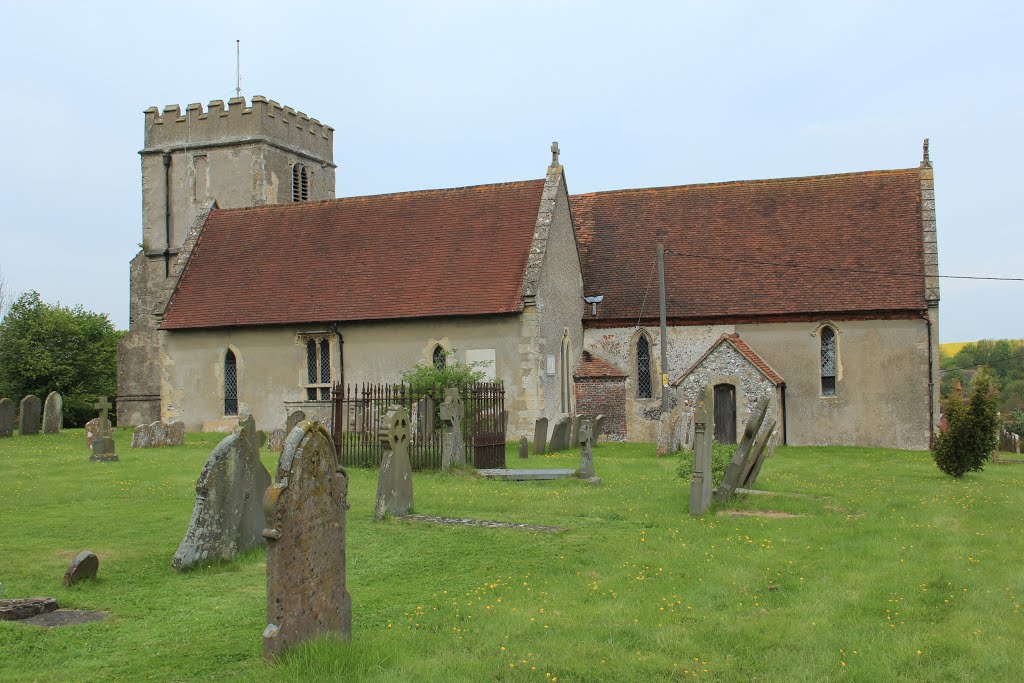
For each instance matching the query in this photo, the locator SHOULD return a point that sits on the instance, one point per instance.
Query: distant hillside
(951, 348)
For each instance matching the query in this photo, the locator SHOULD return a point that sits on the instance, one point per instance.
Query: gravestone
(524, 447)
(53, 413)
(585, 437)
(305, 532)
(740, 460)
(598, 427)
(228, 514)
(261, 438)
(29, 415)
(394, 484)
(103, 444)
(453, 445)
(92, 428)
(6, 417)
(575, 431)
(293, 420)
(540, 436)
(504, 422)
(560, 434)
(423, 418)
(275, 442)
(757, 455)
(84, 566)
(664, 434)
(159, 435)
(704, 436)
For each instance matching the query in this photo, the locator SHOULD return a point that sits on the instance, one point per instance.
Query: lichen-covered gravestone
(757, 455)
(159, 435)
(739, 461)
(228, 515)
(598, 427)
(275, 442)
(92, 428)
(6, 417)
(560, 434)
(540, 436)
(394, 485)
(453, 447)
(53, 413)
(704, 436)
(585, 436)
(305, 514)
(103, 444)
(524, 447)
(296, 418)
(84, 566)
(29, 415)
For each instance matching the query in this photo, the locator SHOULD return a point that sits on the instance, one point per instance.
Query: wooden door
(725, 413)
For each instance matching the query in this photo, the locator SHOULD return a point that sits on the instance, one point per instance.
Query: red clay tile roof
(746, 351)
(761, 248)
(593, 366)
(452, 252)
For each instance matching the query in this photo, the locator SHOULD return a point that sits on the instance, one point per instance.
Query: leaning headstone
(294, 419)
(6, 417)
(103, 445)
(740, 460)
(53, 413)
(524, 447)
(275, 442)
(540, 436)
(560, 434)
(704, 436)
(84, 566)
(394, 484)
(305, 532)
(92, 428)
(228, 515)
(598, 427)
(574, 430)
(585, 436)
(29, 415)
(453, 445)
(757, 455)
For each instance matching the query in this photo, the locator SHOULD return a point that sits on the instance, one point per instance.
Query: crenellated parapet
(262, 121)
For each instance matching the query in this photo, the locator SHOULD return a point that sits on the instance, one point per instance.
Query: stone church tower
(192, 162)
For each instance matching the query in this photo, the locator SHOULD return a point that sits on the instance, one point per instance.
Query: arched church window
(565, 386)
(440, 358)
(829, 361)
(643, 367)
(230, 384)
(300, 183)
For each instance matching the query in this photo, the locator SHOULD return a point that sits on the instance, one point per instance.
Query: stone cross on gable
(103, 405)
(554, 153)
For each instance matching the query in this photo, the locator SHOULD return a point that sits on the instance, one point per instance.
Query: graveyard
(857, 562)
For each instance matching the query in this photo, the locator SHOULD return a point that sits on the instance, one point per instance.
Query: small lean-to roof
(836, 243)
(592, 366)
(741, 346)
(452, 252)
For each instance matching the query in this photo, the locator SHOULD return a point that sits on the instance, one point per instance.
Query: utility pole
(664, 330)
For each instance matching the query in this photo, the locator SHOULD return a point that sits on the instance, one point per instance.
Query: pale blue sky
(437, 94)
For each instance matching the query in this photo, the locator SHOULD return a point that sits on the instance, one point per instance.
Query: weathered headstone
(228, 515)
(84, 566)
(305, 532)
(504, 422)
(29, 415)
(524, 447)
(275, 442)
(423, 418)
(103, 444)
(394, 484)
(261, 438)
(664, 434)
(560, 434)
(6, 417)
(574, 430)
(739, 461)
(757, 455)
(598, 427)
(53, 413)
(585, 437)
(294, 419)
(159, 435)
(92, 428)
(453, 445)
(704, 436)
(540, 436)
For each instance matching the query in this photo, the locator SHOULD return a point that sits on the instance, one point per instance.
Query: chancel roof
(755, 249)
(451, 252)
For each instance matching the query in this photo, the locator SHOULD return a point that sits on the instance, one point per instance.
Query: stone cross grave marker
(704, 435)
(560, 434)
(739, 461)
(394, 484)
(524, 447)
(585, 438)
(103, 445)
(540, 436)
(305, 517)
(757, 455)
(29, 415)
(227, 518)
(53, 413)
(6, 417)
(453, 446)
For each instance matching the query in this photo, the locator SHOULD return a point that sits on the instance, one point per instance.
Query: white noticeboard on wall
(551, 366)
(486, 359)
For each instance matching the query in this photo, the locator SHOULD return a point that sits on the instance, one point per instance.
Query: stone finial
(554, 153)
(926, 162)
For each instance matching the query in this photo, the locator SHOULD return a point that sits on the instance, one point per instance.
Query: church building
(255, 290)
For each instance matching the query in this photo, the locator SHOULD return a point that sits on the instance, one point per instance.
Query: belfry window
(643, 367)
(230, 384)
(440, 358)
(829, 361)
(300, 183)
(318, 369)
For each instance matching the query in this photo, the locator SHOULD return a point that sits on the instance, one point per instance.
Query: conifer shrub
(972, 434)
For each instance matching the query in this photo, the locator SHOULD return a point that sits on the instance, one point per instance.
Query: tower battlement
(262, 121)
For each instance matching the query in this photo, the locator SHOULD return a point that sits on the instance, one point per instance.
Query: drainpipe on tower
(167, 215)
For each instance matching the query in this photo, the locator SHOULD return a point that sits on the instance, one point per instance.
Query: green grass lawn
(892, 571)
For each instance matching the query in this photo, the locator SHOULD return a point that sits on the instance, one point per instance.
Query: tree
(46, 348)
(5, 295)
(972, 434)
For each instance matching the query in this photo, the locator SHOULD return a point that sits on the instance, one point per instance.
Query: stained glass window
(230, 384)
(643, 367)
(439, 357)
(828, 361)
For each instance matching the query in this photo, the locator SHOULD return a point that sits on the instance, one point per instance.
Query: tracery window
(440, 358)
(300, 183)
(643, 367)
(230, 384)
(318, 369)
(829, 361)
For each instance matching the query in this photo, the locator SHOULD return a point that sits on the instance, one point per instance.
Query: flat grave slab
(525, 475)
(479, 522)
(64, 617)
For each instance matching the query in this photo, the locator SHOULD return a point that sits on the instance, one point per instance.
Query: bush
(721, 455)
(454, 374)
(972, 434)
(1016, 423)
